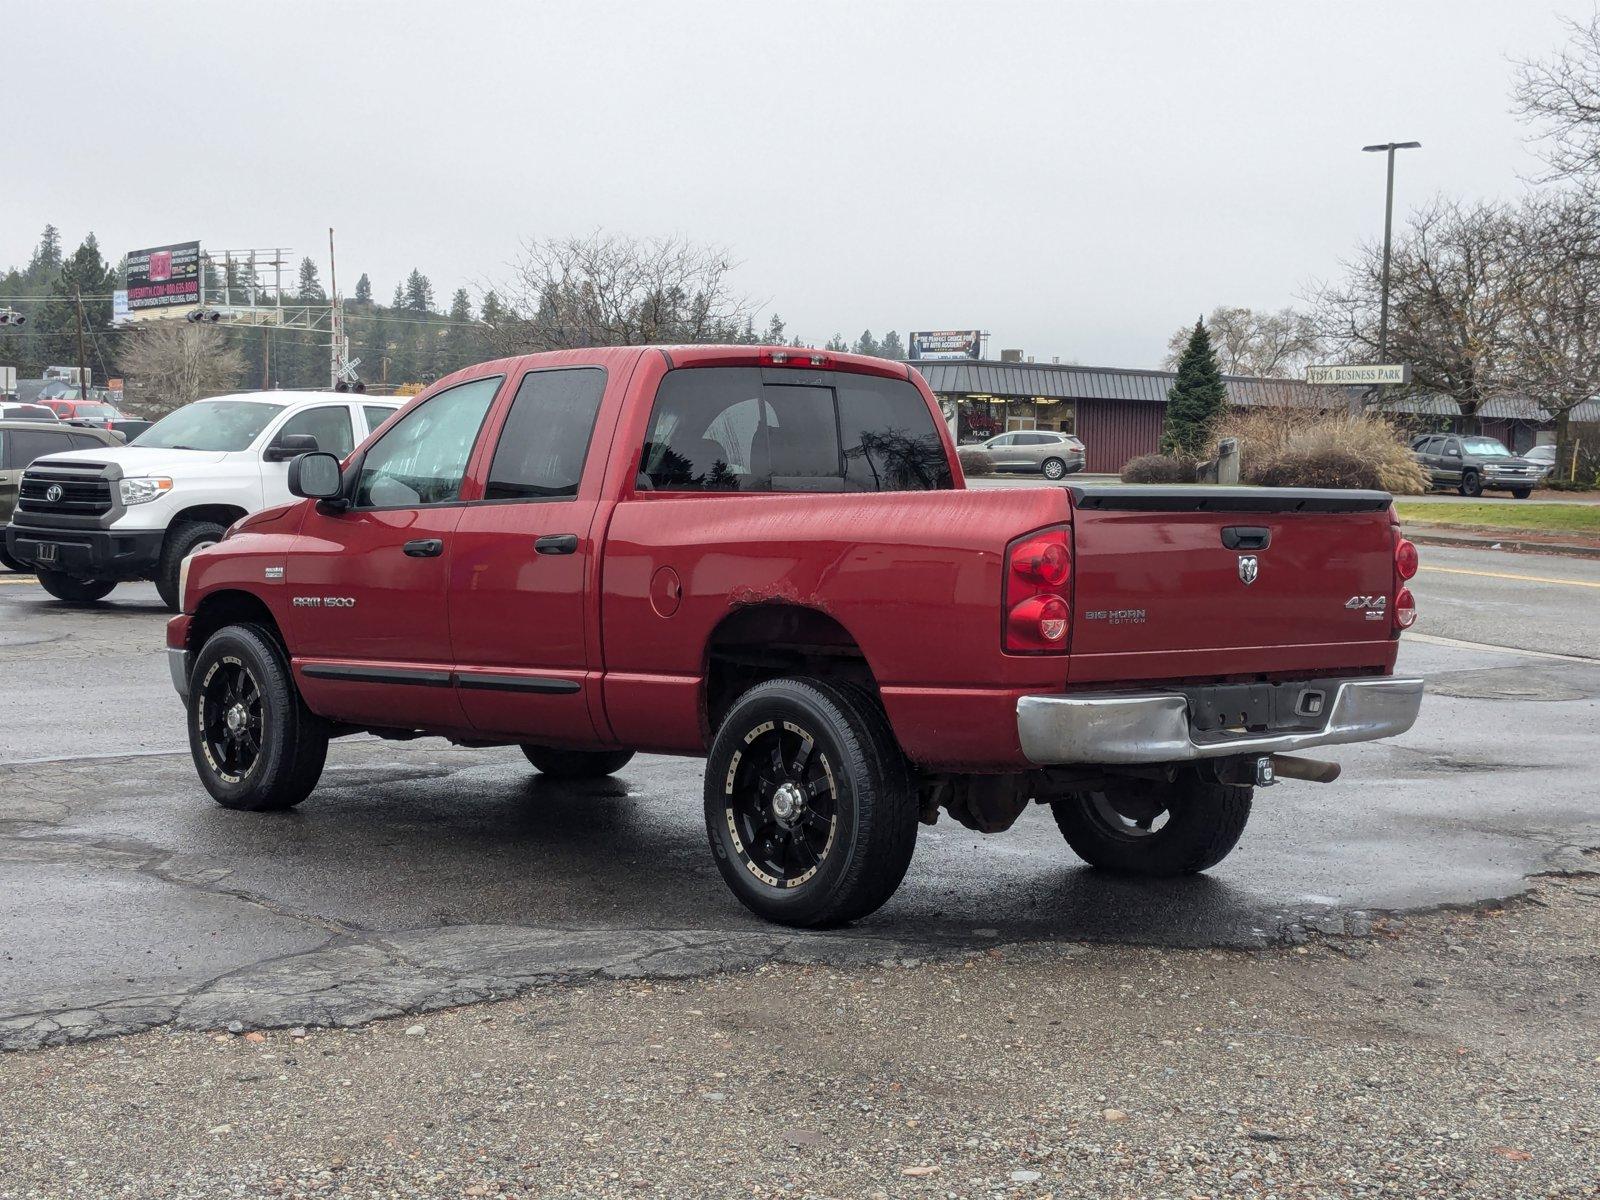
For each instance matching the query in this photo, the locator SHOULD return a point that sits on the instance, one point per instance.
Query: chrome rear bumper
(1153, 727)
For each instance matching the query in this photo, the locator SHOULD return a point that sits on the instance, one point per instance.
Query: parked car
(1057, 455)
(128, 427)
(1543, 457)
(766, 557)
(1473, 464)
(87, 520)
(25, 412)
(63, 400)
(22, 441)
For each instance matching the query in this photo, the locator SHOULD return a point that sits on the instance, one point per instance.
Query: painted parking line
(19, 579)
(1434, 639)
(1588, 583)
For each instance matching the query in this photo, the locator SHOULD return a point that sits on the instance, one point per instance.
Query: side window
(546, 436)
(742, 429)
(25, 445)
(1451, 447)
(422, 459)
(330, 425)
(376, 415)
(1005, 439)
(82, 441)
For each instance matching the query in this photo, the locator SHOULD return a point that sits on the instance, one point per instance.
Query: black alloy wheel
(781, 804)
(810, 805)
(1471, 484)
(230, 719)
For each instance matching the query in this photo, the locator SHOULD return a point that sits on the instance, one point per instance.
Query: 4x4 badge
(1249, 568)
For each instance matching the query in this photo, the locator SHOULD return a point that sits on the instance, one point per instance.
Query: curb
(1514, 544)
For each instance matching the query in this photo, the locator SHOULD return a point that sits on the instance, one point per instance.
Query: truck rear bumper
(1155, 727)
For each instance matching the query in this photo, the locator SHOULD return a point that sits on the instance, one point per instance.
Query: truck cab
(766, 557)
(87, 520)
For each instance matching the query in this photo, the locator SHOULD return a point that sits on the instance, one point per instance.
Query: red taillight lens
(1045, 561)
(1405, 559)
(1405, 608)
(1038, 593)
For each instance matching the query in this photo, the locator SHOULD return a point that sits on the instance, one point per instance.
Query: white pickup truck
(87, 520)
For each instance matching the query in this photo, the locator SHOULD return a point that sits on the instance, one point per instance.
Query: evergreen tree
(775, 334)
(891, 346)
(399, 300)
(310, 288)
(867, 344)
(419, 293)
(1196, 400)
(46, 260)
(363, 289)
(493, 311)
(837, 342)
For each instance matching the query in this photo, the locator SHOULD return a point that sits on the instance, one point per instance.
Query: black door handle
(425, 548)
(557, 543)
(1246, 537)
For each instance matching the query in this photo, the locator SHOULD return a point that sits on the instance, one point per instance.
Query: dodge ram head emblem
(1249, 568)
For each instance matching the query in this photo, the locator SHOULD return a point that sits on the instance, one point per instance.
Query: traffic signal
(11, 316)
(203, 314)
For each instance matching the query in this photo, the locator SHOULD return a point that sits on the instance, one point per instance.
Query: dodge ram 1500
(767, 557)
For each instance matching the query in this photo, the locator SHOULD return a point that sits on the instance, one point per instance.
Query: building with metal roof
(1118, 411)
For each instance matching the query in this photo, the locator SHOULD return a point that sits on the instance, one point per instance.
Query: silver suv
(1056, 454)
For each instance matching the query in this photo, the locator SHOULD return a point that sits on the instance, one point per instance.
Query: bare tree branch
(172, 363)
(1561, 95)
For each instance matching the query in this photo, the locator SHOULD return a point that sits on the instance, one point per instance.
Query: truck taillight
(799, 356)
(1405, 609)
(1405, 559)
(1038, 592)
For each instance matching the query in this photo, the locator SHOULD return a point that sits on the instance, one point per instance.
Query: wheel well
(231, 608)
(770, 641)
(220, 514)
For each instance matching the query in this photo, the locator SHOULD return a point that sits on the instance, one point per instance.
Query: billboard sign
(947, 343)
(163, 277)
(1358, 373)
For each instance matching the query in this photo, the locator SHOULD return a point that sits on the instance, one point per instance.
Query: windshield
(210, 425)
(1485, 447)
(95, 412)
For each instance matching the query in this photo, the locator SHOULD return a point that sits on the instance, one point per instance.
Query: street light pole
(1388, 228)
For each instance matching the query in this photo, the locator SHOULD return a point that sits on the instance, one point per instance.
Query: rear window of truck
(754, 429)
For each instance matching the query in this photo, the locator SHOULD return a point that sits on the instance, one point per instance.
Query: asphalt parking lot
(421, 876)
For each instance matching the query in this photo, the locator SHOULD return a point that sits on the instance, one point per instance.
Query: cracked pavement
(421, 876)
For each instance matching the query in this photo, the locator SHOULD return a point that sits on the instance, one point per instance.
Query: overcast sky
(1076, 178)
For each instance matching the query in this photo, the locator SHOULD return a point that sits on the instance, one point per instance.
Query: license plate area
(1258, 707)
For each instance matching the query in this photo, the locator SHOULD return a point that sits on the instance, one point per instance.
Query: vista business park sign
(164, 277)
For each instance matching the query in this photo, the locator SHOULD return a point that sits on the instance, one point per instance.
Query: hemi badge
(274, 572)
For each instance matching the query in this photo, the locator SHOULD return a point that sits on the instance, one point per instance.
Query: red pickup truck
(767, 557)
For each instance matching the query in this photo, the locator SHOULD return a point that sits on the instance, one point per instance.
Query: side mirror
(288, 445)
(315, 476)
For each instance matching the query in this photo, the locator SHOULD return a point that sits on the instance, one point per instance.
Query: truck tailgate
(1208, 582)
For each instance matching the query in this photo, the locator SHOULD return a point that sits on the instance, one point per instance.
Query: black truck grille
(77, 490)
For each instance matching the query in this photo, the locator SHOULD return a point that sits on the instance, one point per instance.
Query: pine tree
(775, 333)
(310, 286)
(891, 346)
(1196, 400)
(399, 300)
(419, 293)
(363, 289)
(837, 342)
(46, 260)
(867, 344)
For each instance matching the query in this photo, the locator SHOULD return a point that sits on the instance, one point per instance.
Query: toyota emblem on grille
(1249, 568)
(54, 492)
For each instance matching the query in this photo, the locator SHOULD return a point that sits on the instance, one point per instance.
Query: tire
(1054, 468)
(76, 591)
(10, 563)
(1471, 484)
(275, 756)
(182, 540)
(1202, 825)
(1521, 493)
(843, 846)
(576, 764)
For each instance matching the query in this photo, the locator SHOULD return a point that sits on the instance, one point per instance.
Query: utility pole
(83, 381)
(339, 350)
(1388, 225)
